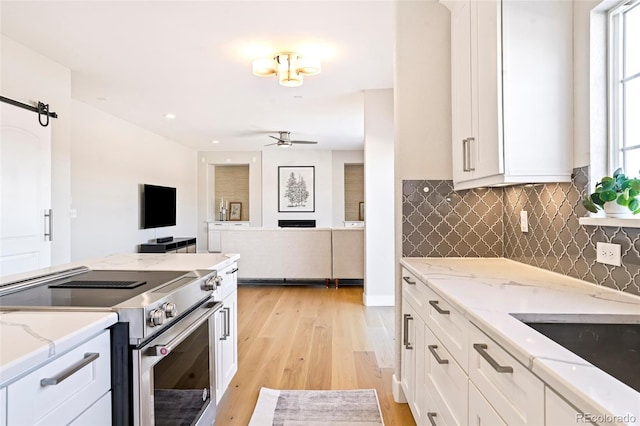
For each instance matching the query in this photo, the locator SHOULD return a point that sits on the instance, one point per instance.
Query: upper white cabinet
(512, 85)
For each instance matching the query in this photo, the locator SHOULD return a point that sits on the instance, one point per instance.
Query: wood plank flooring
(303, 337)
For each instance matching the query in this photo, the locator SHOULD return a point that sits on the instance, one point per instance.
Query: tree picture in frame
(235, 210)
(296, 189)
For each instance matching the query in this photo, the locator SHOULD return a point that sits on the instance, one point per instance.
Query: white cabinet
(60, 391)
(515, 393)
(412, 357)
(559, 412)
(214, 230)
(3, 406)
(99, 414)
(226, 332)
(511, 91)
(480, 411)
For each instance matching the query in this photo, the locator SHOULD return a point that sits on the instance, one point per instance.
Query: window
(624, 87)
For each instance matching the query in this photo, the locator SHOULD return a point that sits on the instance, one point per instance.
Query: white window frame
(616, 81)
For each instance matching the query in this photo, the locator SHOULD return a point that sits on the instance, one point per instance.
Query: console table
(176, 245)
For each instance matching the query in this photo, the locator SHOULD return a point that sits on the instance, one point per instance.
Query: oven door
(174, 374)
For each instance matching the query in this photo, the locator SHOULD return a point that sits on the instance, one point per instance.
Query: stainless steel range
(164, 336)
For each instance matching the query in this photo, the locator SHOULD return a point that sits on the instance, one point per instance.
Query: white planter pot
(613, 209)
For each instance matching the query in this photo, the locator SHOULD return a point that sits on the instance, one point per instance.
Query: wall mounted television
(158, 206)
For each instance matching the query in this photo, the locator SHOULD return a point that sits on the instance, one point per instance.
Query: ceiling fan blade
(275, 143)
(278, 139)
(307, 142)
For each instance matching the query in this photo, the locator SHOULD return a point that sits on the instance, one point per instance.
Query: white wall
(340, 158)
(379, 284)
(110, 159)
(29, 77)
(321, 160)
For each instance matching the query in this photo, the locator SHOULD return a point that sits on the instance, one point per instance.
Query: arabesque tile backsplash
(486, 223)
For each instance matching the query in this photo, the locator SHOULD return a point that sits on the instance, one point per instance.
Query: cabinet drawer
(446, 380)
(412, 291)
(99, 414)
(32, 402)
(507, 385)
(480, 411)
(448, 325)
(229, 282)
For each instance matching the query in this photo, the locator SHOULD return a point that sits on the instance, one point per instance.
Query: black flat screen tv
(158, 206)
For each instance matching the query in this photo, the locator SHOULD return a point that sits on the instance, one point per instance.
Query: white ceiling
(139, 60)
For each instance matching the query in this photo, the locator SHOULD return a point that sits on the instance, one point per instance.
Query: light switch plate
(608, 253)
(524, 221)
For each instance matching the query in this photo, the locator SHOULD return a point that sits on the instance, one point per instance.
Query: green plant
(619, 188)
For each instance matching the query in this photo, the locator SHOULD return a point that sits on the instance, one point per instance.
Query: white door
(25, 191)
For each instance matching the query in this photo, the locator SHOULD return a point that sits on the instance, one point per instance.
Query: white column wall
(379, 198)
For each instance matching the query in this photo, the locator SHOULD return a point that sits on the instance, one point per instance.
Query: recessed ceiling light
(170, 116)
(215, 141)
(100, 98)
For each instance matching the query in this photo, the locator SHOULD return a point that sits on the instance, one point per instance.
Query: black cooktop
(101, 289)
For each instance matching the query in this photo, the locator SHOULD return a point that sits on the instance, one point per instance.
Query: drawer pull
(435, 305)
(431, 417)
(406, 342)
(432, 349)
(481, 348)
(233, 271)
(408, 280)
(88, 359)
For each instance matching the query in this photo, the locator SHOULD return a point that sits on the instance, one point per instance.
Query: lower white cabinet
(480, 411)
(559, 412)
(515, 392)
(62, 390)
(3, 406)
(99, 414)
(412, 358)
(226, 332)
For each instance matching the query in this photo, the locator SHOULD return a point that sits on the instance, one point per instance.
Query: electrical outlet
(524, 221)
(608, 253)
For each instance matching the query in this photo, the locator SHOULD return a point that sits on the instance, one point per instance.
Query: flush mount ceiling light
(288, 66)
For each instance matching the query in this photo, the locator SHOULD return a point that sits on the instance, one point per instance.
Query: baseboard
(388, 300)
(396, 390)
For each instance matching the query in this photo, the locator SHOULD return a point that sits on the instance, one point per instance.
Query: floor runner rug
(315, 408)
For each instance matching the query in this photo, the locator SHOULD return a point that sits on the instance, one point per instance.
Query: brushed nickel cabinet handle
(441, 311)
(470, 168)
(224, 327)
(227, 323)
(406, 342)
(233, 271)
(431, 417)
(481, 348)
(464, 155)
(88, 359)
(408, 280)
(48, 224)
(432, 349)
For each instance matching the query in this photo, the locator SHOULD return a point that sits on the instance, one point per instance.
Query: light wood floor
(292, 337)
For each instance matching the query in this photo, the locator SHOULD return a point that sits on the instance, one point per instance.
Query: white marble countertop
(140, 262)
(488, 290)
(30, 339)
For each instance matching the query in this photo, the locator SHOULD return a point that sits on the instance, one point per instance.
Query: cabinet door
(461, 88)
(557, 412)
(99, 414)
(230, 345)
(487, 147)
(409, 358)
(3, 406)
(480, 411)
(220, 337)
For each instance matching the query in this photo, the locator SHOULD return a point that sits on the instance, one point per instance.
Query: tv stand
(173, 245)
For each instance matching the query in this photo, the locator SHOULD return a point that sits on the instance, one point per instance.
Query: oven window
(181, 381)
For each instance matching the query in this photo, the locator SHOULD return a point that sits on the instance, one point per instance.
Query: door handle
(432, 349)
(227, 323)
(470, 168)
(464, 155)
(48, 224)
(437, 307)
(481, 348)
(406, 342)
(224, 327)
(88, 359)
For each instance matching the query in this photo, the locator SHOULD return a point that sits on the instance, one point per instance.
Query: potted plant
(616, 195)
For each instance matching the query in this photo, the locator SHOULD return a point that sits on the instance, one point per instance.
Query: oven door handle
(162, 350)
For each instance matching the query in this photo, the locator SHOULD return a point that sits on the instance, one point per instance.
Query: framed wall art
(235, 210)
(296, 189)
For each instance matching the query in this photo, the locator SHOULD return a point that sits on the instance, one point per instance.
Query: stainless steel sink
(610, 342)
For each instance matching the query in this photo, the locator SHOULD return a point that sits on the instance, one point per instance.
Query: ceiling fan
(284, 140)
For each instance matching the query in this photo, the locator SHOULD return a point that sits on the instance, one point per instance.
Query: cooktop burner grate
(99, 284)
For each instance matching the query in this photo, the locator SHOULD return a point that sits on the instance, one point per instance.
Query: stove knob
(170, 309)
(209, 284)
(156, 317)
(218, 280)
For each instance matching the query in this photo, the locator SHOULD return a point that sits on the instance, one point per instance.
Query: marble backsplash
(486, 223)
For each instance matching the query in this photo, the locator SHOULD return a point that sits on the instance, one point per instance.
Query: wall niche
(232, 186)
(353, 191)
